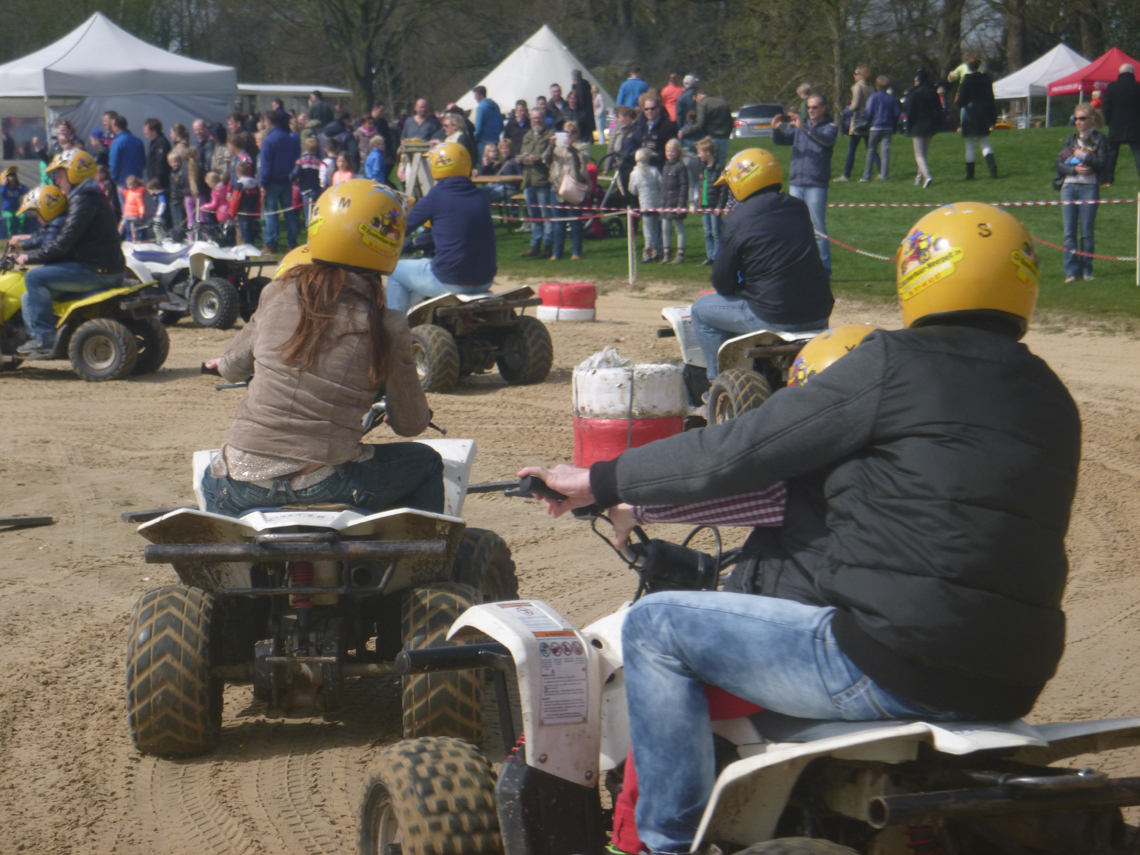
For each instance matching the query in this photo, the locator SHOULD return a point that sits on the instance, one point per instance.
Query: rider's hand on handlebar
(621, 516)
(569, 481)
(22, 259)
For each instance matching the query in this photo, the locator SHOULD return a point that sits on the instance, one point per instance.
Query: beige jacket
(315, 415)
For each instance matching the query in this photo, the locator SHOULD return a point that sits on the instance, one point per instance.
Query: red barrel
(567, 301)
(605, 439)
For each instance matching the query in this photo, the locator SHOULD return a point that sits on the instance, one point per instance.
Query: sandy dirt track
(70, 780)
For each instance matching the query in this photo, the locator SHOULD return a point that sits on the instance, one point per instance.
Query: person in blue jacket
(632, 89)
(488, 119)
(128, 153)
(464, 260)
(279, 153)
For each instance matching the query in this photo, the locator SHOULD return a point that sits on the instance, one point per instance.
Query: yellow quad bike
(107, 335)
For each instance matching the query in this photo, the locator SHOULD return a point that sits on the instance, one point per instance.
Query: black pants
(1114, 152)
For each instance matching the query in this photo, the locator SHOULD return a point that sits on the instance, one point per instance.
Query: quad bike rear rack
(487, 306)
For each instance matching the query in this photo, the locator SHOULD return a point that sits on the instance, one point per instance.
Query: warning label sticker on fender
(565, 683)
(530, 616)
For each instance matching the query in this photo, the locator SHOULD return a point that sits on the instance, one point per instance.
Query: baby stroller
(597, 199)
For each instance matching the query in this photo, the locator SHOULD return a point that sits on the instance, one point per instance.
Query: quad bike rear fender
(733, 353)
(424, 313)
(560, 694)
(205, 255)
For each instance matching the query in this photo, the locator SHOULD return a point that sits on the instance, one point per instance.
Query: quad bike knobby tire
(429, 795)
(437, 357)
(797, 846)
(736, 391)
(446, 703)
(252, 296)
(483, 561)
(153, 343)
(103, 349)
(174, 704)
(214, 303)
(528, 353)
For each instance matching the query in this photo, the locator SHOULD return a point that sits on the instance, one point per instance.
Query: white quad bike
(215, 285)
(458, 334)
(750, 367)
(785, 786)
(301, 599)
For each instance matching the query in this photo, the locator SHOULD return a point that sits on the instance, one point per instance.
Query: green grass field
(1025, 165)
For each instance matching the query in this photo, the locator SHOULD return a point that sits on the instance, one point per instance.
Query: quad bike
(300, 599)
(458, 334)
(785, 786)
(108, 335)
(212, 284)
(750, 367)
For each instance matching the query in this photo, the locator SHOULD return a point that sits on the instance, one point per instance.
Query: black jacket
(90, 234)
(515, 132)
(976, 96)
(768, 254)
(923, 108)
(930, 477)
(640, 136)
(156, 163)
(1122, 109)
(1097, 157)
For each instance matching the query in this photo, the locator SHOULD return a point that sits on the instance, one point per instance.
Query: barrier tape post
(631, 245)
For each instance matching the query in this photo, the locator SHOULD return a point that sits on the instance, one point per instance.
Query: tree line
(744, 50)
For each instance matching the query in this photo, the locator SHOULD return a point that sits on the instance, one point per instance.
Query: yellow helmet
(450, 160)
(826, 348)
(79, 165)
(749, 171)
(295, 257)
(359, 225)
(47, 200)
(967, 257)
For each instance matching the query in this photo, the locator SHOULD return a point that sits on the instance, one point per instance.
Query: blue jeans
(776, 653)
(1084, 217)
(415, 276)
(717, 318)
(400, 474)
(853, 146)
(816, 199)
(537, 201)
(559, 238)
(711, 222)
(721, 150)
(45, 283)
(878, 144)
(279, 197)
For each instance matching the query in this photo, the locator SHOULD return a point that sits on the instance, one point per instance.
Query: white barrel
(554, 313)
(648, 391)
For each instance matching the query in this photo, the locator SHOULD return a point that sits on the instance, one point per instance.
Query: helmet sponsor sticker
(315, 224)
(925, 259)
(383, 233)
(1025, 260)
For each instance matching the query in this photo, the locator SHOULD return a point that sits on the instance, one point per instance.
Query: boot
(679, 258)
(969, 171)
(532, 251)
(992, 164)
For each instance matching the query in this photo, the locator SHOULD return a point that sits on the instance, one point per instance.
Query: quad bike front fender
(559, 678)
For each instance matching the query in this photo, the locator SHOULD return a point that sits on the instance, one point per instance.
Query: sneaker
(864, 179)
(646, 258)
(918, 179)
(841, 178)
(880, 177)
(265, 250)
(575, 258)
(554, 258)
(706, 263)
(35, 348)
(1088, 277)
(927, 182)
(523, 229)
(1069, 279)
(532, 251)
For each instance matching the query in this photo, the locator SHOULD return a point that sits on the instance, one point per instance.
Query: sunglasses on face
(1083, 118)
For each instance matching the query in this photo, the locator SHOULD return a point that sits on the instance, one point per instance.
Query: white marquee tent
(528, 72)
(99, 67)
(1035, 78)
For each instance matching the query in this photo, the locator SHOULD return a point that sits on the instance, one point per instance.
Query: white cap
(1126, 68)
(690, 79)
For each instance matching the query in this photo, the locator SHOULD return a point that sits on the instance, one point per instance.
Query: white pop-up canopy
(528, 72)
(1035, 78)
(99, 67)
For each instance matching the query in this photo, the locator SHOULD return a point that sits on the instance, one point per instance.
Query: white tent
(1035, 78)
(99, 67)
(528, 72)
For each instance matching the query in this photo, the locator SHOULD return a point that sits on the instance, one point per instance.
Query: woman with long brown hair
(320, 348)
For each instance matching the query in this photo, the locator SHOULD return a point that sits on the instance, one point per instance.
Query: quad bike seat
(783, 728)
(155, 256)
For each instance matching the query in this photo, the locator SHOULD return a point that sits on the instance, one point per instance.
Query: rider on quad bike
(464, 234)
(323, 346)
(47, 204)
(84, 256)
(920, 566)
(767, 273)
